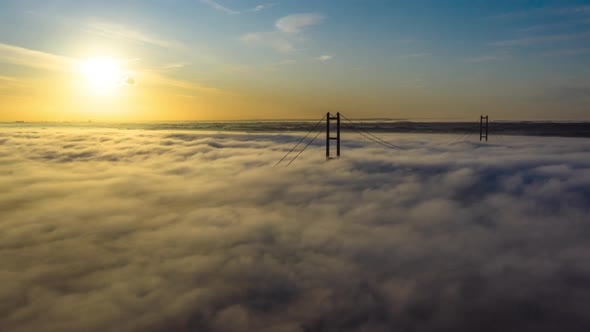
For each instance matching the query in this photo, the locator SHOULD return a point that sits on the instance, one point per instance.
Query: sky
(293, 59)
(145, 230)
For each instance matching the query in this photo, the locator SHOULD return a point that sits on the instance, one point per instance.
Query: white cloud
(36, 59)
(262, 7)
(297, 22)
(219, 7)
(147, 230)
(216, 5)
(286, 37)
(119, 31)
(175, 65)
(325, 58)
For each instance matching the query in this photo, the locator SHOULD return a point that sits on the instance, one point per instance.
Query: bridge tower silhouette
(329, 138)
(483, 127)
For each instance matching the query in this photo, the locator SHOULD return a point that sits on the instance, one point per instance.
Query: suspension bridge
(339, 120)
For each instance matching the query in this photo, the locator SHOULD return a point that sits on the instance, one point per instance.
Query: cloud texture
(287, 33)
(105, 230)
(297, 22)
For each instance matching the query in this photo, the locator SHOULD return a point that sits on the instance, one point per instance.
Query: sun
(103, 75)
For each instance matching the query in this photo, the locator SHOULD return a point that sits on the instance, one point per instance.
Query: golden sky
(224, 60)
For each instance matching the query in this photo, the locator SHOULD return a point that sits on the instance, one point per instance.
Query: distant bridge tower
(483, 127)
(329, 138)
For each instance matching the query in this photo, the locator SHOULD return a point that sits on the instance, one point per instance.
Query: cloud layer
(115, 230)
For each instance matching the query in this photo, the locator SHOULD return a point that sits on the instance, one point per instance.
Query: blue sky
(514, 59)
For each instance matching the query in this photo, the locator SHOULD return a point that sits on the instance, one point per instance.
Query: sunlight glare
(103, 75)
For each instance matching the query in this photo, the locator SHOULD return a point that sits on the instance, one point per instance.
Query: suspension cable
(371, 138)
(375, 139)
(465, 136)
(296, 145)
(308, 144)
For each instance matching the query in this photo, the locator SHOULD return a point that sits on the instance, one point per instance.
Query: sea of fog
(126, 228)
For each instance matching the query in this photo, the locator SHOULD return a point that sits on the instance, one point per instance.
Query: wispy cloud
(274, 39)
(272, 67)
(36, 59)
(278, 65)
(176, 65)
(158, 78)
(297, 22)
(325, 58)
(9, 79)
(9, 83)
(262, 7)
(217, 6)
(286, 35)
(541, 39)
(119, 31)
